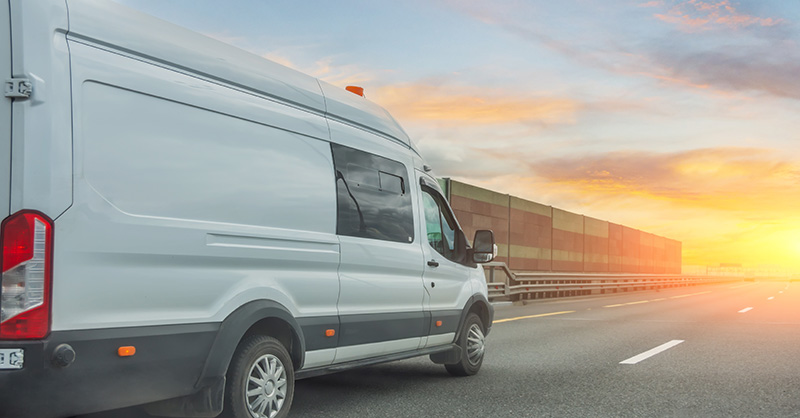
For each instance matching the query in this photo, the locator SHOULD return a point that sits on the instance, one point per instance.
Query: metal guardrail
(540, 285)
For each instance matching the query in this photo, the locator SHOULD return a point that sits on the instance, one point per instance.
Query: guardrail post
(507, 287)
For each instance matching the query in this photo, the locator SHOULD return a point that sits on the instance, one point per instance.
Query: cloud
(725, 204)
(741, 69)
(725, 60)
(529, 22)
(736, 52)
(325, 69)
(435, 101)
(726, 179)
(474, 105)
(451, 159)
(697, 15)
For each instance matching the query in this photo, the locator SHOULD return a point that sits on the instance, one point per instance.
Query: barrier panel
(615, 254)
(567, 241)
(596, 248)
(534, 237)
(531, 235)
(478, 208)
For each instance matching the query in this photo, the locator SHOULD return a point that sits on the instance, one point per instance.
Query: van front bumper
(167, 364)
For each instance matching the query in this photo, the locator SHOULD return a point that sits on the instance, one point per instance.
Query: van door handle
(433, 263)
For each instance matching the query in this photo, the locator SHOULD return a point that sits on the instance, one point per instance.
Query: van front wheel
(260, 380)
(471, 340)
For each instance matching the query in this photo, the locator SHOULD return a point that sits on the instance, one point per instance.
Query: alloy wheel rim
(475, 344)
(266, 387)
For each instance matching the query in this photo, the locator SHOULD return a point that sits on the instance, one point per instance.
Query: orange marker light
(356, 90)
(330, 332)
(438, 323)
(126, 351)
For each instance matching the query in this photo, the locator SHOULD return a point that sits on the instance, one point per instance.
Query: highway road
(716, 350)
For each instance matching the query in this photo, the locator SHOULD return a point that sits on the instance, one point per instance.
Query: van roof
(111, 25)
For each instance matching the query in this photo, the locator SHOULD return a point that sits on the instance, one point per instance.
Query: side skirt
(303, 374)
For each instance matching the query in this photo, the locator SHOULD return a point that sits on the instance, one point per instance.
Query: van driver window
(440, 227)
(433, 222)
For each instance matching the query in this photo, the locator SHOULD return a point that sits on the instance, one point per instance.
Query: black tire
(267, 360)
(471, 341)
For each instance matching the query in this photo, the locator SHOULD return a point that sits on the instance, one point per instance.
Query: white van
(190, 227)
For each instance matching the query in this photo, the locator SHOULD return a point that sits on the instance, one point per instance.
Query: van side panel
(5, 108)
(41, 176)
(157, 41)
(191, 199)
(381, 298)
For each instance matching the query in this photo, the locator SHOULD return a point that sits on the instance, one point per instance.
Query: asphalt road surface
(728, 350)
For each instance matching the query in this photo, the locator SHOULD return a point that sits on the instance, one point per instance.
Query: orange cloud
(675, 80)
(727, 205)
(432, 102)
(692, 15)
(325, 69)
(726, 179)
(473, 105)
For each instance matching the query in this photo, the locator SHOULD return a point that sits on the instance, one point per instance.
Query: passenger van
(191, 227)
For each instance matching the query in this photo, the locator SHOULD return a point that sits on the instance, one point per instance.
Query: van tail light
(26, 278)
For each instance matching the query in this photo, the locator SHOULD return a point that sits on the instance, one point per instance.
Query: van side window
(372, 196)
(440, 226)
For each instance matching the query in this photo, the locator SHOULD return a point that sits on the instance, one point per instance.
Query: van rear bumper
(167, 364)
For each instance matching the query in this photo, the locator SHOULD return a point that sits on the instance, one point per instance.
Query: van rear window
(372, 196)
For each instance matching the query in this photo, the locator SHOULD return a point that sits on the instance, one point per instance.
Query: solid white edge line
(746, 310)
(650, 353)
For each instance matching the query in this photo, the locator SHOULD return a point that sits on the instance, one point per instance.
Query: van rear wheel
(260, 380)
(472, 342)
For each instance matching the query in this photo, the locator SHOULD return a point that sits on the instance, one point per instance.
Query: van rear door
(5, 109)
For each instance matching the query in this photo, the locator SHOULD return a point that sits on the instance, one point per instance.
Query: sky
(676, 117)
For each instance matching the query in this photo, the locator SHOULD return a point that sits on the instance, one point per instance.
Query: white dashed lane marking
(650, 353)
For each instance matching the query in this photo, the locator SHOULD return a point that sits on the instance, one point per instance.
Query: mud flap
(451, 356)
(208, 402)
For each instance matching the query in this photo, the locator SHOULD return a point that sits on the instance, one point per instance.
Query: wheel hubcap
(266, 387)
(475, 344)
(269, 388)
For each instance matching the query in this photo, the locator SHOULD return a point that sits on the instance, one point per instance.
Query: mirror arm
(470, 261)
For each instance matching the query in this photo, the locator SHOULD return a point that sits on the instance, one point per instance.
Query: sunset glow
(677, 117)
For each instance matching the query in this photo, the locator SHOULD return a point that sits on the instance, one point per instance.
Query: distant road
(717, 350)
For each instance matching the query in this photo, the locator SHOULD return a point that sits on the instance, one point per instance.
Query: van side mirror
(483, 249)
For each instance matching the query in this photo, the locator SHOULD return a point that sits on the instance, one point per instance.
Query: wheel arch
(479, 305)
(257, 317)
